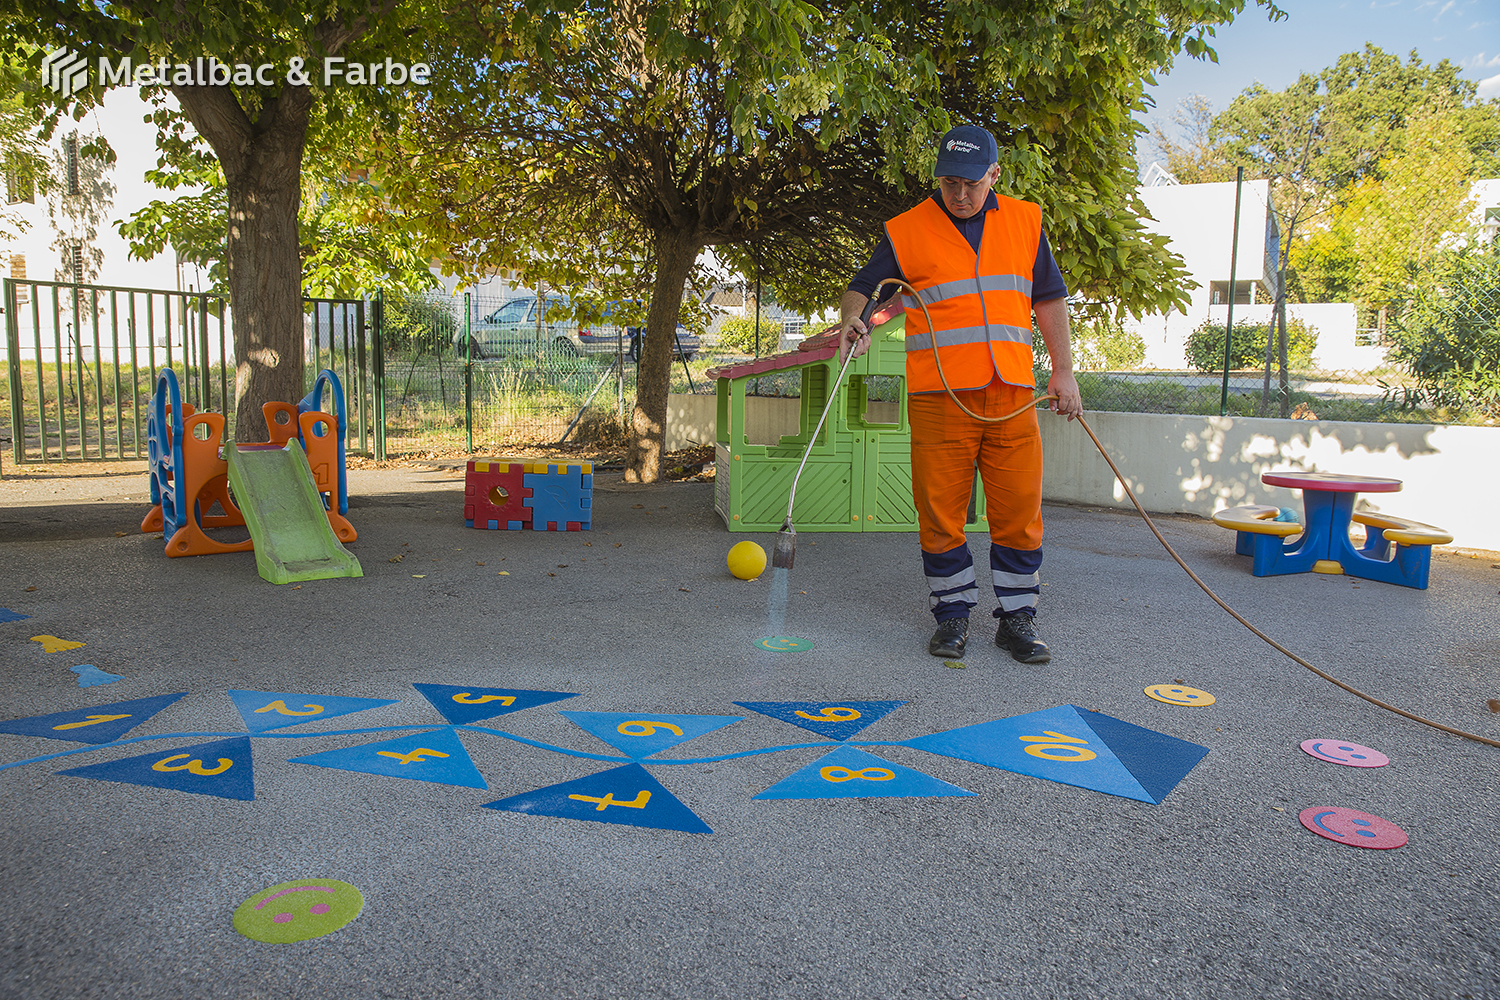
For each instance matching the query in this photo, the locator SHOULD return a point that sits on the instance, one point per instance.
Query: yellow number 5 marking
(1058, 741)
(92, 720)
(641, 798)
(465, 698)
(415, 757)
(279, 706)
(837, 774)
(192, 766)
(644, 729)
(832, 715)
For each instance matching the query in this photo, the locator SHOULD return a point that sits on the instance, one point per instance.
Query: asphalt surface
(1029, 888)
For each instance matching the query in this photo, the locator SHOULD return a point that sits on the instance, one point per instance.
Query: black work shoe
(1017, 636)
(950, 638)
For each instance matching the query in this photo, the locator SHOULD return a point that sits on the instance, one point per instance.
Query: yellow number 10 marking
(279, 707)
(465, 698)
(641, 798)
(837, 774)
(192, 766)
(643, 729)
(1071, 745)
(831, 714)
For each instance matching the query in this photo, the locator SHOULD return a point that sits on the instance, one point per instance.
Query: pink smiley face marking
(1344, 752)
(1350, 826)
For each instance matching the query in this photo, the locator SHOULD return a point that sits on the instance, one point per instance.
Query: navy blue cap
(967, 151)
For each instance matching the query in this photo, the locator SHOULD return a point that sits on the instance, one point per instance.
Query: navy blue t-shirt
(1046, 280)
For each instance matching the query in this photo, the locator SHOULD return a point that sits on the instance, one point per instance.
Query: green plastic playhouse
(858, 476)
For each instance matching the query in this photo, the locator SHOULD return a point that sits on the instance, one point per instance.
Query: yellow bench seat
(1257, 519)
(1402, 530)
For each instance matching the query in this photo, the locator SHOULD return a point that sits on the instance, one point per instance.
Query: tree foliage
(1247, 345)
(1448, 339)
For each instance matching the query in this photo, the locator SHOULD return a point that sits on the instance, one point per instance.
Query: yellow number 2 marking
(1072, 746)
(465, 698)
(641, 798)
(192, 766)
(415, 757)
(92, 720)
(831, 715)
(279, 707)
(644, 729)
(837, 774)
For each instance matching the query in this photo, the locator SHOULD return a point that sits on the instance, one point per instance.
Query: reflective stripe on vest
(980, 303)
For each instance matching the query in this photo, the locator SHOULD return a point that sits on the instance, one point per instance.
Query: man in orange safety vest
(982, 265)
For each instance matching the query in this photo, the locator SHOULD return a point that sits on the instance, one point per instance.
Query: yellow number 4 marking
(280, 708)
(1072, 745)
(832, 714)
(641, 798)
(645, 729)
(92, 720)
(415, 757)
(192, 766)
(465, 698)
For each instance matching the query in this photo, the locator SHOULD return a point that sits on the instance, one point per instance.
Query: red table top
(1331, 482)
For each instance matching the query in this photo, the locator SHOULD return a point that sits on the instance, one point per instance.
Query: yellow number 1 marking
(92, 720)
(465, 698)
(832, 715)
(192, 766)
(415, 757)
(279, 706)
(1072, 745)
(645, 729)
(641, 798)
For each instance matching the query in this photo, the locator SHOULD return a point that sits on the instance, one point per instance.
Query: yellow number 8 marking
(192, 766)
(832, 715)
(645, 728)
(837, 774)
(465, 698)
(1058, 741)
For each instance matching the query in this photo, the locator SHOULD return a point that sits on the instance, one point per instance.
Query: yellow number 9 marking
(643, 728)
(465, 698)
(831, 715)
(1073, 748)
(192, 766)
(279, 707)
(837, 774)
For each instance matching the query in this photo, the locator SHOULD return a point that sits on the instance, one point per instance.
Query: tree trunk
(675, 253)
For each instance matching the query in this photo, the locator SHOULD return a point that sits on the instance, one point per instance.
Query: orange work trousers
(946, 445)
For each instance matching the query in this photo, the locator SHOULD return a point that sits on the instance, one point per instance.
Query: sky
(1317, 32)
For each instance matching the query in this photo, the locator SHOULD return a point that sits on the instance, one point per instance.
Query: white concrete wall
(1197, 465)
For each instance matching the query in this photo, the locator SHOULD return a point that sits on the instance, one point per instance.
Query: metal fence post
(1234, 258)
(468, 374)
(379, 373)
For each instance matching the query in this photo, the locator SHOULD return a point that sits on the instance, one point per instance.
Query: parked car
(687, 347)
(512, 329)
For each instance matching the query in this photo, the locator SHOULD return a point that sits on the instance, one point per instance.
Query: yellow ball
(747, 560)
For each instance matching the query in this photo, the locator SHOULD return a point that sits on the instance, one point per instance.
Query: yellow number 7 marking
(192, 766)
(644, 729)
(831, 715)
(280, 708)
(92, 720)
(641, 798)
(465, 698)
(1071, 745)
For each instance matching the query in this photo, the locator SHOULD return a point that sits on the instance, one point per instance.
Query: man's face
(964, 197)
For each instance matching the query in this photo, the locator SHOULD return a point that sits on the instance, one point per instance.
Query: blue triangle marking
(175, 769)
(1077, 756)
(437, 756)
(835, 720)
(7, 615)
(465, 703)
(641, 734)
(266, 710)
(1157, 760)
(626, 795)
(92, 725)
(847, 773)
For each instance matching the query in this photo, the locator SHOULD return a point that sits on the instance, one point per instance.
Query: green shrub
(737, 335)
(1448, 337)
(1247, 346)
(1105, 345)
(420, 323)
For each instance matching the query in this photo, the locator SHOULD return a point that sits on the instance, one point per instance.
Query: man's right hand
(853, 336)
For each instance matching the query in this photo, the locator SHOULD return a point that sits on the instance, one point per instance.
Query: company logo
(65, 72)
(961, 146)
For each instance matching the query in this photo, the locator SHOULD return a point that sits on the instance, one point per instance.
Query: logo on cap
(961, 146)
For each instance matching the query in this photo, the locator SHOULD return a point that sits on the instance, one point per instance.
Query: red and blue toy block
(514, 496)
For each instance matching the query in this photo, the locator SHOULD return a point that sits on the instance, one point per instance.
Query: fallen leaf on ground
(1494, 704)
(503, 572)
(479, 564)
(684, 590)
(419, 576)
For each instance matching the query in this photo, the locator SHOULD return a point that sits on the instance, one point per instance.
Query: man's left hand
(1069, 403)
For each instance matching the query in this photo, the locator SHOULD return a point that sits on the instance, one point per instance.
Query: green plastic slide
(274, 488)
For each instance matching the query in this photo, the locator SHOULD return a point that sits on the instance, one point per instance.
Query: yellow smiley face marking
(1176, 694)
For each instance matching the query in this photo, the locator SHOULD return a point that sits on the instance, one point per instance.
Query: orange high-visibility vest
(980, 303)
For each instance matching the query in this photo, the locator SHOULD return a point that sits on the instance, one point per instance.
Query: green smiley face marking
(298, 911)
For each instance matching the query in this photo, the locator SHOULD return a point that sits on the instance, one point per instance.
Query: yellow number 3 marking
(192, 766)
(644, 729)
(465, 698)
(837, 774)
(280, 708)
(1072, 745)
(832, 715)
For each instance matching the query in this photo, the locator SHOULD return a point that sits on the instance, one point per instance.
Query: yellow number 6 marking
(465, 698)
(832, 715)
(645, 729)
(192, 766)
(1071, 745)
(837, 774)
(92, 720)
(279, 707)
(641, 798)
